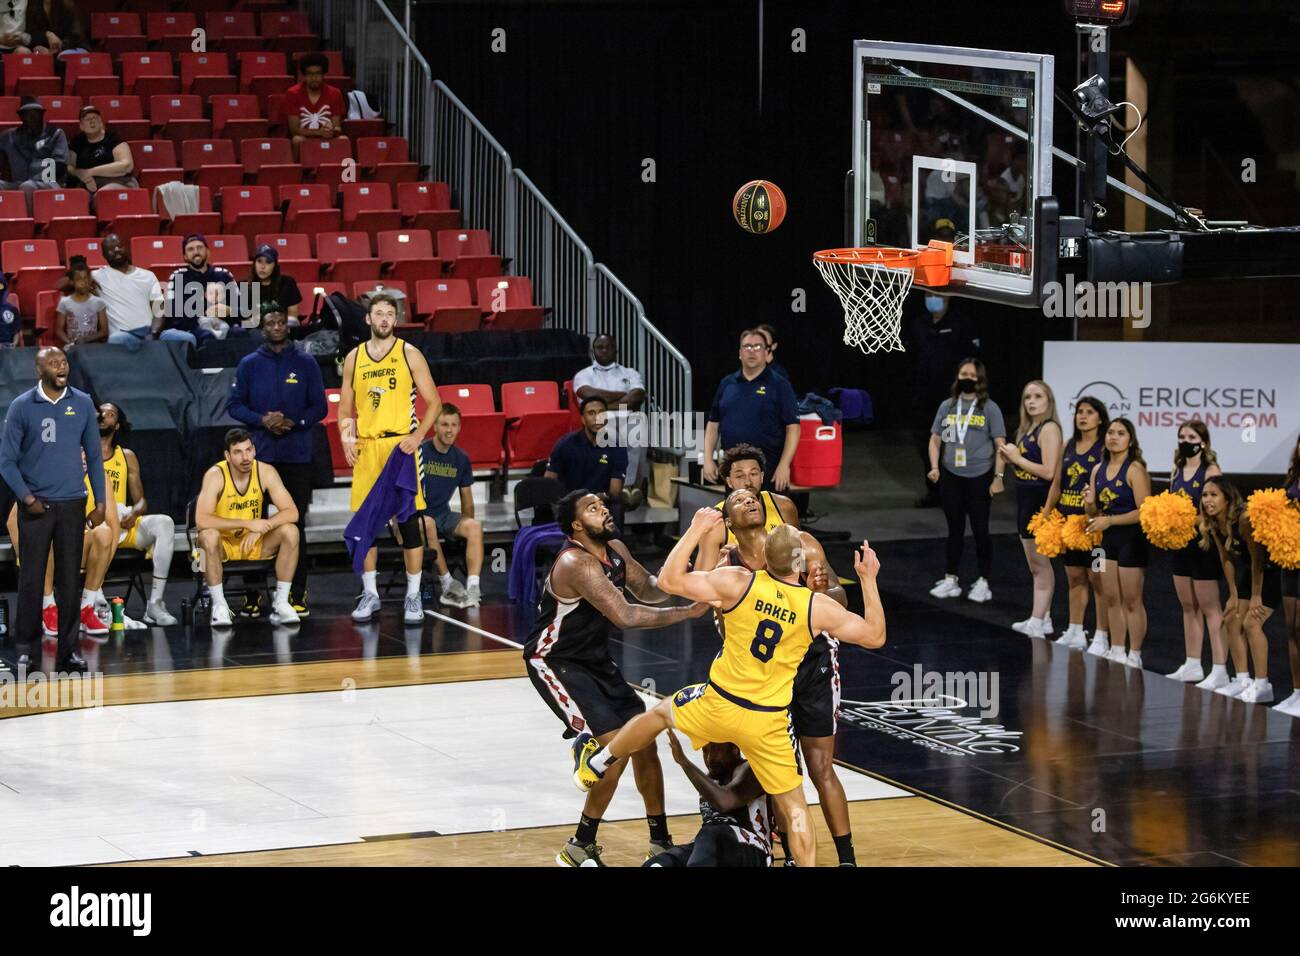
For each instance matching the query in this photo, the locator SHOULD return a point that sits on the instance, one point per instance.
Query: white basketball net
(872, 294)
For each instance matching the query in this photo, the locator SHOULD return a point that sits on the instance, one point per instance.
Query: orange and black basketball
(759, 206)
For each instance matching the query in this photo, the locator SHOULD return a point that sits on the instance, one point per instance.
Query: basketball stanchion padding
(872, 284)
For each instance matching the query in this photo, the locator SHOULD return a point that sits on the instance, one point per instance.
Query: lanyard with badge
(959, 454)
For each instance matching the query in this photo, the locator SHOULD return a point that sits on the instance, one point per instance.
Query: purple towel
(393, 496)
(523, 567)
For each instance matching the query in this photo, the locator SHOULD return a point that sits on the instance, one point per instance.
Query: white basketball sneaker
(1134, 659)
(1074, 638)
(368, 605)
(220, 616)
(979, 591)
(282, 612)
(1190, 673)
(1118, 655)
(1218, 678)
(1290, 706)
(946, 587)
(1100, 647)
(1234, 687)
(1258, 692)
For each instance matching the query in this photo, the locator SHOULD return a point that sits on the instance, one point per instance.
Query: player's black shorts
(815, 706)
(1030, 498)
(1075, 559)
(1126, 545)
(1291, 583)
(716, 844)
(1197, 563)
(590, 698)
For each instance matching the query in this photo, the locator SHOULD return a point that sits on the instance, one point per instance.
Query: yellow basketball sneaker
(584, 748)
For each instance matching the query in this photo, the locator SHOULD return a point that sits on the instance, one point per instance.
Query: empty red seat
(248, 210)
(468, 252)
(161, 25)
(287, 245)
(386, 159)
(280, 23)
(118, 32)
(123, 114)
(88, 65)
(317, 153)
(88, 247)
(228, 252)
(63, 214)
(207, 74)
(534, 421)
(33, 265)
(267, 64)
(270, 162)
(304, 271)
(346, 256)
(149, 74)
(369, 207)
(197, 153)
(235, 24)
(36, 67)
(156, 253)
(155, 162)
(481, 438)
(238, 117)
(427, 206)
(508, 302)
(470, 399)
(182, 224)
(16, 222)
(310, 209)
(60, 111)
(179, 117)
(338, 459)
(408, 254)
(47, 304)
(126, 212)
(447, 306)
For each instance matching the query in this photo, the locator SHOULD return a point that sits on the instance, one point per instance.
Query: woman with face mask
(1197, 570)
(1118, 486)
(967, 431)
(1034, 457)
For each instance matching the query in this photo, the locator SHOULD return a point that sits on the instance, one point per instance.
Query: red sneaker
(50, 620)
(90, 622)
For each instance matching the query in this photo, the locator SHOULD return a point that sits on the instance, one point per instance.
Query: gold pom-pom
(1168, 520)
(1074, 537)
(1046, 529)
(1275, 522)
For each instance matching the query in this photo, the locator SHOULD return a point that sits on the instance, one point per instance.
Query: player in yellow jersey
(380, 380)
(744, 466)
(228, 514)
(769, 620)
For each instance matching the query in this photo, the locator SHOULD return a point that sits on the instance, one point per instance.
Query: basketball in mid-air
(759, 206)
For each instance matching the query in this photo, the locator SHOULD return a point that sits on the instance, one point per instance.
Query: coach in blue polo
(755, 406)
(46, 431)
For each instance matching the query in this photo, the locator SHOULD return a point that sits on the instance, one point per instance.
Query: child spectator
(81, 317)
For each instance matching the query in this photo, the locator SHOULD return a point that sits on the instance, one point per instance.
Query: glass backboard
(956, 144)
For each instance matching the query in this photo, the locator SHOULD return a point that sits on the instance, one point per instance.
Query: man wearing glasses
(754, 406)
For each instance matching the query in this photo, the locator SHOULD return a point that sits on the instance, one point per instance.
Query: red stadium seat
(88, 65)
(118, 32)
(427, 206)
(337, 458)
(228, 251)
(386, 159)
(33, 265)
(294, 250)
(155, 162)
(61, 110)
(204, 221)
(88, 86)
(481, 439)
(158, 252)
(470, 399)
(310, 209)
(127, 212)
(149, 74)
(47, 304)
(16, 222)
(248, 210)
(534, 421)
(408, 254)
(63, 214)
(179, 117)
(211, 163)
(267, 64)
(508, 303)
(469, 252)
(346, 257)
(90, 248)
(569, 398)
(367, 286)
(304, 271)
(312, 290)
(334, 58)
(161, 25)
(124, 115)
(233, 24)
(446, 306)
(9, 109)
(368, 207)
(282, 23)
(18, 66)
(238, 117)
(207, 74)
(270, 162)
(315, 153)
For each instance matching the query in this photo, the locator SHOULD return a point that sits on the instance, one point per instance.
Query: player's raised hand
(865, 562)
(675, 746)
(819, 578)
(706, 519)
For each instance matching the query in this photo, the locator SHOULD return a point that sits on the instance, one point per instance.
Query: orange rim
(890, 256)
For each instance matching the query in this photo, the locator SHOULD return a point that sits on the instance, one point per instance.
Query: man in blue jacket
(46, 431)
(278, 394)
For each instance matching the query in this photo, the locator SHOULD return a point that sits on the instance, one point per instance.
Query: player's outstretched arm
(643, 585)
(738, 792)
(867, 630)
(724, 585)
(821, 576)
(711, 547)
(581, 574)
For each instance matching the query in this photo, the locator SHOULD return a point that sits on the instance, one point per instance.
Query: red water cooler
(820, 455)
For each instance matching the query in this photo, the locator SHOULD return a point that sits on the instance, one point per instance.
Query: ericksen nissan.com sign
(1248, 395)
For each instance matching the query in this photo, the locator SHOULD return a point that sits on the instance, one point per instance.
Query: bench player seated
(228, 514)
(736, 822)
(444, 468)
(769, 621)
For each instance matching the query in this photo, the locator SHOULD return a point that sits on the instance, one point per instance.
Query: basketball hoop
(872, 284)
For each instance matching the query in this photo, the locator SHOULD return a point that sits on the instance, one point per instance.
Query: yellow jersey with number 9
(236, 507)
(385, 393)
(764, 639)
(771, 515)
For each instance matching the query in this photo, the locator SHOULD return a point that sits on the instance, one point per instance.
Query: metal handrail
(548, 249)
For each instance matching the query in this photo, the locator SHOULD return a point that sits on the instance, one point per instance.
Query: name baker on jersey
(776, 612)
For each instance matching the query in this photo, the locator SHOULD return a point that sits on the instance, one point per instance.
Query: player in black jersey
(736, 821)
(568, 660)
(814, 707)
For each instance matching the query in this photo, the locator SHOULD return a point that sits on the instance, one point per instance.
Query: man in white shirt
(134, 296)
(624, 394)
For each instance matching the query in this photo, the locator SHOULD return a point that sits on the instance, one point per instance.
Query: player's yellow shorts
(231, 549)
(765, 737)
(372, 456)
(127, 538)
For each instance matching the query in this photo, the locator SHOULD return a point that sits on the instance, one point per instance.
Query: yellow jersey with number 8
(385, 393)
(764, 639)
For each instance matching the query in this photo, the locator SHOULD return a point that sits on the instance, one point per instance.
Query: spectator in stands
(769, 333)
(231, 526)
(757, 406)
(98, 157)
(37, 154)
(198, 297)
(273, 285)
(81, 316)
(278, 394)
(313, 108)
(132, 297)
(56, 26)
(14, 37)
(445, 468)
(620, 388)
(578, 461)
